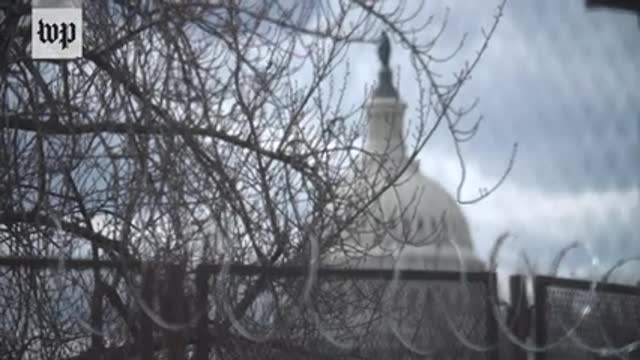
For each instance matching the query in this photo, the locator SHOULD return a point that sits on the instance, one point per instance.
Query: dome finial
(384, 50)
(385, 84)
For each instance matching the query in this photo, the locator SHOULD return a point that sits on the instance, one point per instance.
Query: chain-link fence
(346, 314)
(576, 314)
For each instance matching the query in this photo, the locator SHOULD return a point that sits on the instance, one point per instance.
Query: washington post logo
(56, 33)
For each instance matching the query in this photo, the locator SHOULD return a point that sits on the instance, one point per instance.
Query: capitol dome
(415, 222)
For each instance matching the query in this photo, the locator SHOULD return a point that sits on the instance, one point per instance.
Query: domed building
(415, 221)
(414, 224)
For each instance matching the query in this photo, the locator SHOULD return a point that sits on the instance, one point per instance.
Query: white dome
(415, 224)
(415, 220)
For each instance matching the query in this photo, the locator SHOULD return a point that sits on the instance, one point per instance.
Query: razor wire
(391, 289)
(311, 278)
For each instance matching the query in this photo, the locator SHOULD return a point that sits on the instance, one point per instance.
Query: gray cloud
(564, 83)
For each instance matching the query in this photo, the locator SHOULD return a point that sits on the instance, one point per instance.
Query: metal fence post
(202, 310)
(492, 326)
(173, 312)
(519, 317)
(97, 342)
(540, 302)
(146, 328)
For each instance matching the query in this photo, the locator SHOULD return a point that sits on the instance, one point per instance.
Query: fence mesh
(574, 316)
(348, 316)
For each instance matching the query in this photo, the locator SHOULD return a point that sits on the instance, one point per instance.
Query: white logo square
(56, 33)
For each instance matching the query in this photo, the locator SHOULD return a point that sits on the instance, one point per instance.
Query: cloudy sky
(564, 83)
